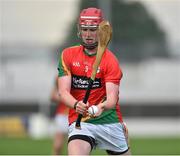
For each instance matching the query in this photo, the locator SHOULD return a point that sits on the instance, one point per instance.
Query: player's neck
(91, 52)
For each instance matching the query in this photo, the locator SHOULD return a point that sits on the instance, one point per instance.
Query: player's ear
(79, 34)
(78, 31)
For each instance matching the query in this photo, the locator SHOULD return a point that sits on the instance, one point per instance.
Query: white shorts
(61, 123)
(107, 136)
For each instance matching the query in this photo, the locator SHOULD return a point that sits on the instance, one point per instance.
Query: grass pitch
(139, 146)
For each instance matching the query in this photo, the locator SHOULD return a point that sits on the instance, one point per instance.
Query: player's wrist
(102, 105)
(75, 105)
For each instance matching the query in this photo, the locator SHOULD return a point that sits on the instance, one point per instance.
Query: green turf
(155, 146)
(25, 146)
(139, 146)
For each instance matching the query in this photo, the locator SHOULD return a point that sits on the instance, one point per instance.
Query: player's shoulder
(72, 49)
(109, 54)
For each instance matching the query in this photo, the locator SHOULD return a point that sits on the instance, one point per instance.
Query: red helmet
(90, 17)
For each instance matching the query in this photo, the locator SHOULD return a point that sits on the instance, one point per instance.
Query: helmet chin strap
(90, 46)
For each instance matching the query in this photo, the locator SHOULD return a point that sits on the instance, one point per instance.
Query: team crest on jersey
(98, 70)
(87, 68)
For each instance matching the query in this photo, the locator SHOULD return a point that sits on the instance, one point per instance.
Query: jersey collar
(87, 53)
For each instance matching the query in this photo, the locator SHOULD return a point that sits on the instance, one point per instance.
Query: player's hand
(100, 109)
(96, 112)
(81, 107)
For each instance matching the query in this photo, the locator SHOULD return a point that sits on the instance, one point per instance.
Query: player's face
(89, 34)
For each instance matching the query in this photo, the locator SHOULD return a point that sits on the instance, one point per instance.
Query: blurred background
(146, 40)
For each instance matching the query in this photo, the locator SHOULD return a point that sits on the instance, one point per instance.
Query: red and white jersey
(76, 62)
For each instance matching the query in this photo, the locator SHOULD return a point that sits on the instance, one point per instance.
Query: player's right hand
(81, 108)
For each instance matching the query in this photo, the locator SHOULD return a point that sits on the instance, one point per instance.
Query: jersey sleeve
(64, 64)
(112, 71)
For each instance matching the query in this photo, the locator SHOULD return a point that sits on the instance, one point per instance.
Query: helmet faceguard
(90, 18)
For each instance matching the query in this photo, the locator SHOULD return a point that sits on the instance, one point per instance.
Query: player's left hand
(100, 109)
(89, 115)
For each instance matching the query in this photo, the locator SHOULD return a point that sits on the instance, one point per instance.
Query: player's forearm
(64, 87)
(112, 93)
(67, 98)
(106, 105)
(55, 96)
(110, 102)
